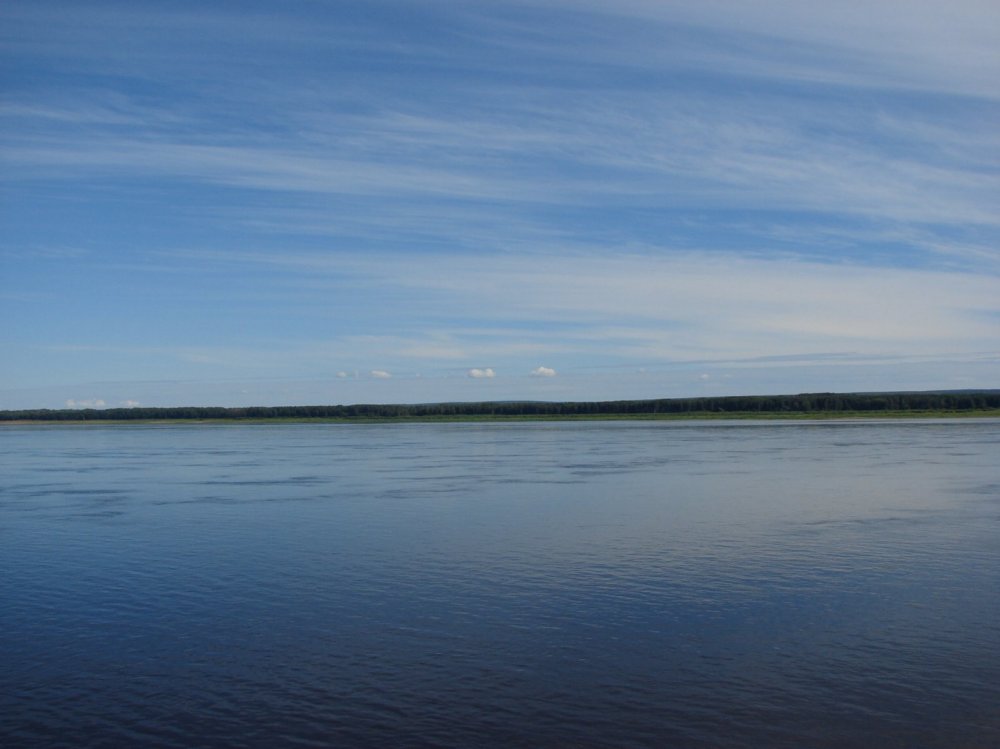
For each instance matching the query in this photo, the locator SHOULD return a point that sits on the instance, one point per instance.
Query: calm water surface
(592, 584)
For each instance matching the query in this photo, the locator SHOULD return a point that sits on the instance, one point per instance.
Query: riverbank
(495, 418)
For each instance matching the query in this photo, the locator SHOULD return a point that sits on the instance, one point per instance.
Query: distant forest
(806, 403)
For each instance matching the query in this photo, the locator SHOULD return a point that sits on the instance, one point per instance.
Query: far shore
(489, 418)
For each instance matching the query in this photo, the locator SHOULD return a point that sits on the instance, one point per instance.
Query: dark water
(511, 585)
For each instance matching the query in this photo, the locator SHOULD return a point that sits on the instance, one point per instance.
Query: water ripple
(618, 585)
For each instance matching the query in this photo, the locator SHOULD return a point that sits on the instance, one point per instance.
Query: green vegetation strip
(805, 406)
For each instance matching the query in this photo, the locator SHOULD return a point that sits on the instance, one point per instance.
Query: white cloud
(682, 149)
(700, 306)
(543, 372)
(85, 403)
(694, 152)
(643, 308)
(380, 374)
(481, 373)
(893, 43)
(129, 404)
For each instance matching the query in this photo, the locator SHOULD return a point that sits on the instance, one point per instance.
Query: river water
(592, 584)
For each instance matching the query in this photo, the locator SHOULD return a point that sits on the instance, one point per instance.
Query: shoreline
(499, 418)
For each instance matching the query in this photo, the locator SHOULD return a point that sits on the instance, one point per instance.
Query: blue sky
(236, 203)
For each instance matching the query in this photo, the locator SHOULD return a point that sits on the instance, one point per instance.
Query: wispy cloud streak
(309, 189)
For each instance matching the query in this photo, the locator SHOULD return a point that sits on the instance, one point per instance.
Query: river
(558, 584)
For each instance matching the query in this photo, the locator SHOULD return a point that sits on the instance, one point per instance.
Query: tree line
(805, 403)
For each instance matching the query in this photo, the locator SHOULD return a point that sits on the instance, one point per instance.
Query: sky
(335, 201)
